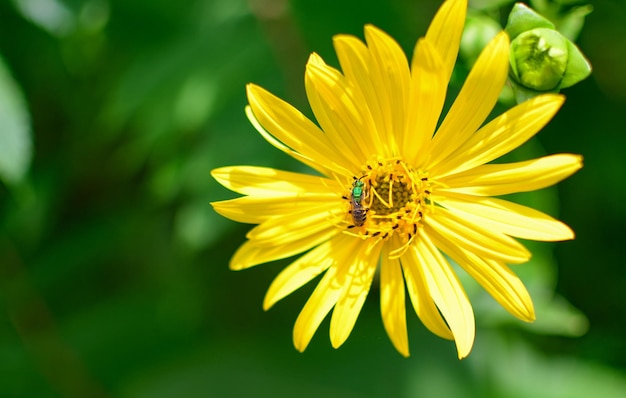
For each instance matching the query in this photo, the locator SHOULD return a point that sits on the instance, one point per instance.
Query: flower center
(388, 198)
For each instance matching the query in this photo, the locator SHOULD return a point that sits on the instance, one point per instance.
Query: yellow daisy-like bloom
(396, 192)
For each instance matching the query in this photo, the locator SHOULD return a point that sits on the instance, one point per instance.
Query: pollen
(396, 198)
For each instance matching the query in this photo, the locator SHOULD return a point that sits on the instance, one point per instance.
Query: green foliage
(114, 275)
(15, 131)
(479, 30)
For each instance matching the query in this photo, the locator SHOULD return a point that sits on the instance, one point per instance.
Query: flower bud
(541, 58)
(538, 58)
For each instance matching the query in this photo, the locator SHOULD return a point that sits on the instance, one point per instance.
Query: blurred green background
(114, 277)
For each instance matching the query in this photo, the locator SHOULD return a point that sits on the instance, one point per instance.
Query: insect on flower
(358, 211)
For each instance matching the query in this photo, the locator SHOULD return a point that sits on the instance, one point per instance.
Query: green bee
(359, 213)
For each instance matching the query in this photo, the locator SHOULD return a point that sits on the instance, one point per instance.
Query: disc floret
(396, 196)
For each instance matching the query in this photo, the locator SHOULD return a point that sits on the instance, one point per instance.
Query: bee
(358, 211)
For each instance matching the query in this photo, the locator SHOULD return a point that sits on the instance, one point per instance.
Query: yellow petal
(354, 58)
(291, 127)
(421, 299)
(476, 238)
(329, 119)
(324, 296)
(495, 277)
(250, 254)
(427, 96)
(268, 182)
(344, 105)
(448, 294)
(315, 310)
(302, 271)
(503, 179)
(291, 227)
(445, 32)
(255, 210)
(390, 75)
(503, 134)
(475, 101)
(356, 285)
(392, 302)
(506, 217)
(276, 143)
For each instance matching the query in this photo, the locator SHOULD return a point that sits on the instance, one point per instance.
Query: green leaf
(557, 317)
(578, 68)
(517, 370)
(15, 129)
(522, 19)
(572, 23)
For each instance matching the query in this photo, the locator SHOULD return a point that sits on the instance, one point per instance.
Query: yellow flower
(426, 190)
